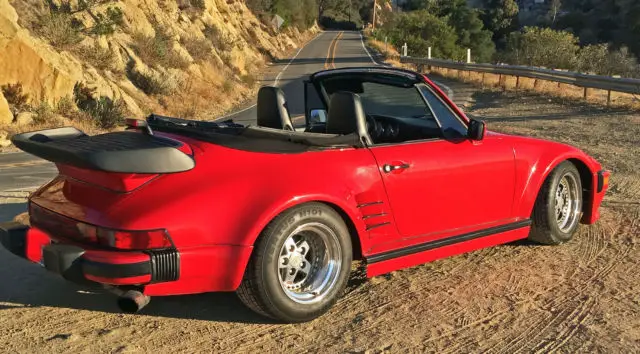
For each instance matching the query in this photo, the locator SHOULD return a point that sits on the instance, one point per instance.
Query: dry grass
(60, 29)
(101, 58)
(511, 83)
(198, 48)
(158, 50)
(209, 96)
(389, 54)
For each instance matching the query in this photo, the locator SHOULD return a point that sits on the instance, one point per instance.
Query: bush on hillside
(420, 30)
(542, 47)
(158, 50)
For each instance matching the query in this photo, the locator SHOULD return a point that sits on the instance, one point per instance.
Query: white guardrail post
(404, 49)
(429, 53)
(468, 56)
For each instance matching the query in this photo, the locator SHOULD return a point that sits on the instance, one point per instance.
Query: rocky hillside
(91, 62)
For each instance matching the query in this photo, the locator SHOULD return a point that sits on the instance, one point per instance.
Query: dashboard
(387, 129)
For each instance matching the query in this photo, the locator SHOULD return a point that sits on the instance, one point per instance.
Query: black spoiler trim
(122, 152)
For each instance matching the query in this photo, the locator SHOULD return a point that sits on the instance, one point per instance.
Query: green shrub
(107, 22)
(218, 39)
(83, 96)
(158, 50)
(43, 113)
(65, 107)
(421, 30)
(249, 80)
(14, 96)
(153, 83)
(108, 113)
(198, 48)
(101, 58)
(542, 47)
(60, 29)
(227, 86)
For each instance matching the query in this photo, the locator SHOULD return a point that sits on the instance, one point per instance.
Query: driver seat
(346, 116)
(272, 109)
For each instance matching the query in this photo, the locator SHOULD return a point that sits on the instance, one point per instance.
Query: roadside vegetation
(585, 36)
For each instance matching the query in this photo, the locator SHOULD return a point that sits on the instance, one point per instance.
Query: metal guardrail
(607, 83)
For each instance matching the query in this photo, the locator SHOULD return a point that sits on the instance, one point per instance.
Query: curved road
(330, 49)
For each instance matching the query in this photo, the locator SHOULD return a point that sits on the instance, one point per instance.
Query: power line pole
(375, 6)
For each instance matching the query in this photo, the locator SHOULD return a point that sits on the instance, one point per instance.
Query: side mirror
(476, 131)
(317, 116)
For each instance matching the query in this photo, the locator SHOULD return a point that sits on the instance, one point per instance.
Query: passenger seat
(272, 109)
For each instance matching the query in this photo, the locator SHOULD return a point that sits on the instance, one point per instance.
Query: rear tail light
(125, 240)
(59, 226)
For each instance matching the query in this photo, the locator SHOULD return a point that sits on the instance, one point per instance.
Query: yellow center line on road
(329, 63)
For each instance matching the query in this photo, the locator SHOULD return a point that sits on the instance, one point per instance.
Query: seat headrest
(272, 109)
(346, 116)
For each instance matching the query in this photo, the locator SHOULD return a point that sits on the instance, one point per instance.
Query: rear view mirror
(476, 131)
(317, 116)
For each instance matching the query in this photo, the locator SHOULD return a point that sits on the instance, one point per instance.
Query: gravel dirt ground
(583, 296)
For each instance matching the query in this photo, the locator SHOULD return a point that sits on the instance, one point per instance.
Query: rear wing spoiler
(122, 152)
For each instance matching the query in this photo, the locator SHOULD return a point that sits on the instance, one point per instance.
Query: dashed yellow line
(330, 63)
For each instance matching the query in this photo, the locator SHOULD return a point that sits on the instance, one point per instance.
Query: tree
(554, 9)
(542, 47)
(469, 28)
(421, 30)
(500, 14)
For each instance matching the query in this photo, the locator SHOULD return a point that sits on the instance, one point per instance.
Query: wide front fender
(535, 160)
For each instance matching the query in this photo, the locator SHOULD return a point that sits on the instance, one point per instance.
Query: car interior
(378, 108)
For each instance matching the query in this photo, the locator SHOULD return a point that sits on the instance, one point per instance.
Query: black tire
(262, 288)
(547, 228)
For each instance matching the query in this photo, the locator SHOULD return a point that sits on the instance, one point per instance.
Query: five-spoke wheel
(300, 264)
(558, 208)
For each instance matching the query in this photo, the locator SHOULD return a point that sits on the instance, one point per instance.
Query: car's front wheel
(558, 207)
(300, 264)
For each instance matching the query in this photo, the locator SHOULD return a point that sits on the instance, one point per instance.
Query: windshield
(386, 100)
(381, 96)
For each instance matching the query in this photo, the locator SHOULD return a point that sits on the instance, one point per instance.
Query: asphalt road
(330, 49)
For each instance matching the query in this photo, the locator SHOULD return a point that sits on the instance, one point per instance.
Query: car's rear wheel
(300, 264)
(558, 207)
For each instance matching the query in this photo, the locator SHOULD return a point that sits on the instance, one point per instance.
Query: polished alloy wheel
(567, 205)
(309, 263)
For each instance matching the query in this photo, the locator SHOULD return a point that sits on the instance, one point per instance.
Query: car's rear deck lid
(125, 152)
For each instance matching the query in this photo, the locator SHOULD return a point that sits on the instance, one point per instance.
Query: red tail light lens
(125, 240)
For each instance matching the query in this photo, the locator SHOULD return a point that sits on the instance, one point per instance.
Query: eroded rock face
(6, 117)
(44, 73)
(49, 74)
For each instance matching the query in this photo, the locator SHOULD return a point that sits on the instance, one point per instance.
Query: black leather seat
(346, 116)
(272, 109)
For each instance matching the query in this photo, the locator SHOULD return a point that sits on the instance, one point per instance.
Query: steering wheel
(373, 127)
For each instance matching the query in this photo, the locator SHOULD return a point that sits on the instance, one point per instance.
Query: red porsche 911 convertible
(386, 169)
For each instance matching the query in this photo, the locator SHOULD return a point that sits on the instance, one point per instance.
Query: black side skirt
(446, 241)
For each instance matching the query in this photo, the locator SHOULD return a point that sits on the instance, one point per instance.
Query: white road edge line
(277, 80)
(450, 92)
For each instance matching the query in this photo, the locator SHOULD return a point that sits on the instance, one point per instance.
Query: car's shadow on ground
(11, 210)
(26, 284)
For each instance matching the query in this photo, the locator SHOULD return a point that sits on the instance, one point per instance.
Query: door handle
(388, 168)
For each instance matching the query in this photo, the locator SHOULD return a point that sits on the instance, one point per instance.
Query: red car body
(455, 198)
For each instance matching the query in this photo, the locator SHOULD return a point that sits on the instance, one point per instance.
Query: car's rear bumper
(165, 272)
(598, 189)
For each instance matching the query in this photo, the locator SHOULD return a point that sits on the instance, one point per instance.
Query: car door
(442, 187)
(439, 186)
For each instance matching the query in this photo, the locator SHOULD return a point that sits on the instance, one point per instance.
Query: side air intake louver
(165, 265)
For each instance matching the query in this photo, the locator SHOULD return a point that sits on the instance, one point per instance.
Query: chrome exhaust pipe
(132, 301)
